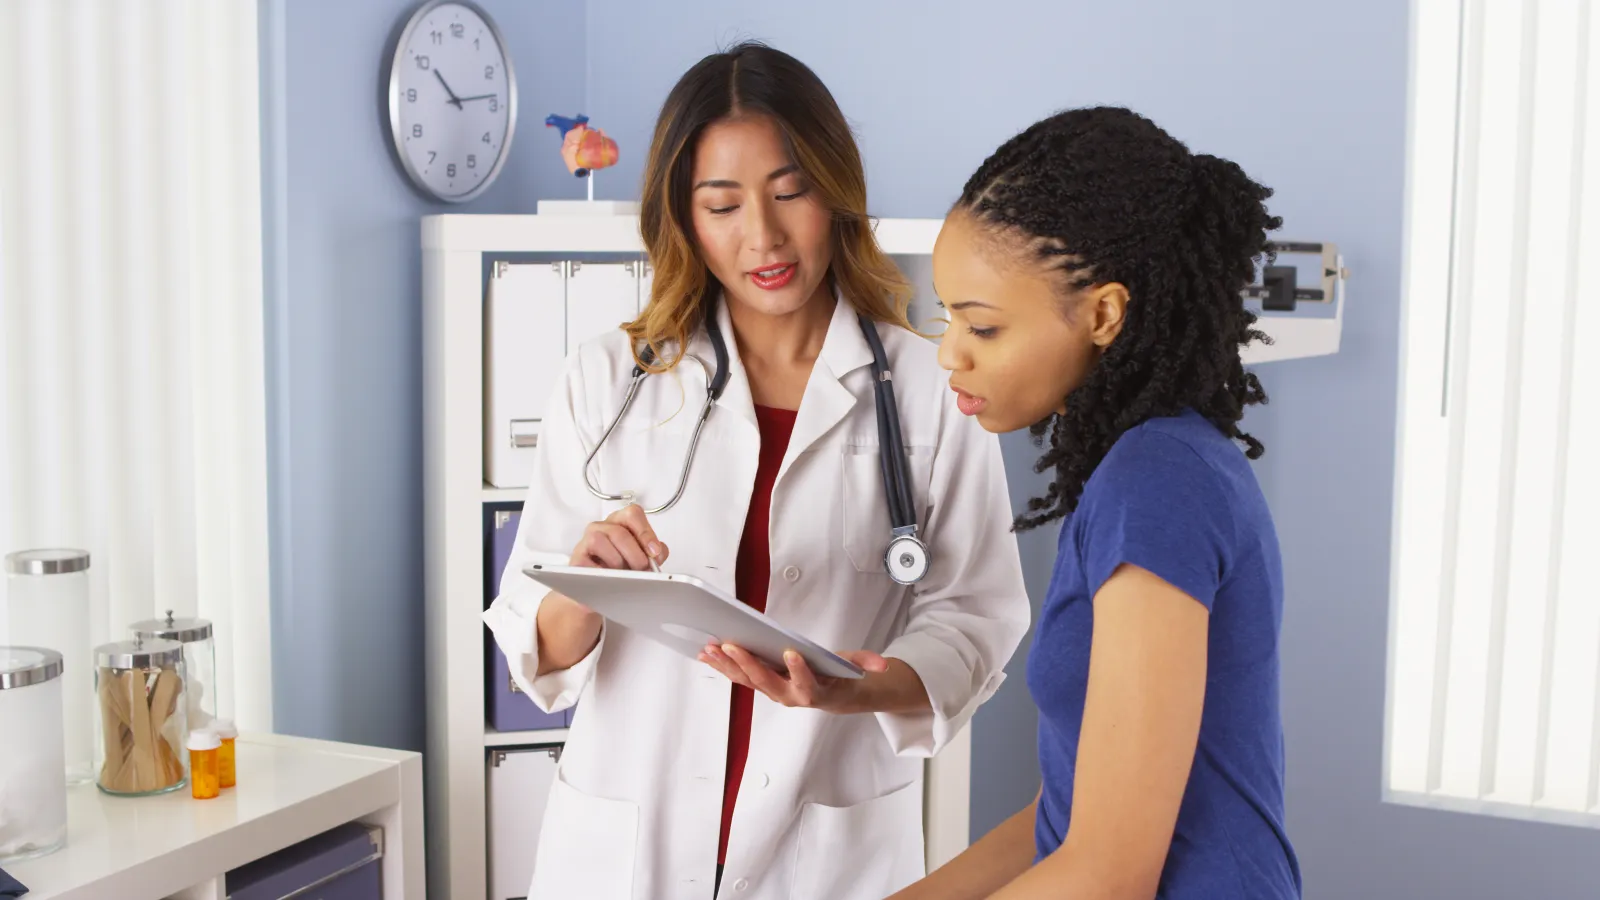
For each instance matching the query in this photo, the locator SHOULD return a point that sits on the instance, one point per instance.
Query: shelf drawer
(519, 787)
(341, 864)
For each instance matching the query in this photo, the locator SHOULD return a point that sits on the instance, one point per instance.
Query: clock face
(452, 100)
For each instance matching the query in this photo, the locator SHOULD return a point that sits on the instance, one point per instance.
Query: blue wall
(344, 346)
(1310, 103)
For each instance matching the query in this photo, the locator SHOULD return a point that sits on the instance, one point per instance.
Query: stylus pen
(653, 567)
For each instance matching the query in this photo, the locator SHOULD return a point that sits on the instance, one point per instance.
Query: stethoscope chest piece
(906, 560)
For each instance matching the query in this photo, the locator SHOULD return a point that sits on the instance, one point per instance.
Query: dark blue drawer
(342, 864)
(506, 707)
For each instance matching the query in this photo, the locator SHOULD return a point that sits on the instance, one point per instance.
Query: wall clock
(452, 100)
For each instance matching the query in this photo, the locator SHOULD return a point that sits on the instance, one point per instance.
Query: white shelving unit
(456, 250)
(290, 789)
(492, 738)
(492, 494)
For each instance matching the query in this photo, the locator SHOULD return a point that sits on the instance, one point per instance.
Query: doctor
(680, 775)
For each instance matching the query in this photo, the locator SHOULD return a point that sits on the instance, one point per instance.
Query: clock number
(422, 63)
(475, 44)
(472, 160)
(437, 37)
(457, 30)
(486, 137)
(416, 130)
(488, 73)
(450, 170)
(494, 104)
(432, 155)
(411, 95)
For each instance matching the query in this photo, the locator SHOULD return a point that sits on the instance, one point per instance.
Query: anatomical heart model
(583, 149)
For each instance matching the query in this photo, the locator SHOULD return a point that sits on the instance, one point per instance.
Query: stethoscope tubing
(892, 462)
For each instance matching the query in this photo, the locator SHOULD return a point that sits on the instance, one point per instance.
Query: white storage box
(538, 313)
(519, 787)
(601, 297)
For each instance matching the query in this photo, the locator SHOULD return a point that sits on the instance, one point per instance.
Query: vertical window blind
(1494, 663)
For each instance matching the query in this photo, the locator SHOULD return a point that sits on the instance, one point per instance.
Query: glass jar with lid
(47, 605)
(33, 785)
(143, 735)
(199, 661)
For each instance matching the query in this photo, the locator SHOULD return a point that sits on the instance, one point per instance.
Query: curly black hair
(1105, 195)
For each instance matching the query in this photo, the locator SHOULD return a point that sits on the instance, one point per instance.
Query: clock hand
(454, 100)
(461, 100)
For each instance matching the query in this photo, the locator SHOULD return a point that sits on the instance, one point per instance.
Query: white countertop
(289, 789)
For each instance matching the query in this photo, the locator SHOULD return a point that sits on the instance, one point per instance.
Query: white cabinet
(519, 785)
(600, 297)
(523, 348)
(290, 789)
(538, 314)
(647, 277)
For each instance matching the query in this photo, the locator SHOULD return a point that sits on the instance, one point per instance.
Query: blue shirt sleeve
(1155, 503)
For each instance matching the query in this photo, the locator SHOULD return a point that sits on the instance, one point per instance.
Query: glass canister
(47, 605)
(143, 736)
(33, 791)
(199, 662)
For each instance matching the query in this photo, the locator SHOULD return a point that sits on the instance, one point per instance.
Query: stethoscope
(907, 557)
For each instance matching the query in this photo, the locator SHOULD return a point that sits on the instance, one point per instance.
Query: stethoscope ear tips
(906, 560)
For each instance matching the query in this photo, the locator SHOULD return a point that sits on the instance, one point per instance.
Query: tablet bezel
(823, 662)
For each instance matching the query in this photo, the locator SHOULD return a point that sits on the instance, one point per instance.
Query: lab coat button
(791, 574)
(765, 779)
(741, 884)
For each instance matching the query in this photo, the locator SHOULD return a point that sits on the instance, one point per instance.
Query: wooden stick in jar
(163, 703)
(130, 692)
(163, 700)
(124, 685)
(113, 729)
(146, 775)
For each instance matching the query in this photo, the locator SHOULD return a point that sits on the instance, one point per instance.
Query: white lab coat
(830, 806)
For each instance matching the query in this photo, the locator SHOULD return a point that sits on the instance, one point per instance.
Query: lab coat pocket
(865, 510)
(862, 852)
(587, 847)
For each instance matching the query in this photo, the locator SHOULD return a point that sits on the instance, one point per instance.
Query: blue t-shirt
(1176, 497)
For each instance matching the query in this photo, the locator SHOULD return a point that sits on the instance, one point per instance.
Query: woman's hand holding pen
(567, 630)
(623, 540)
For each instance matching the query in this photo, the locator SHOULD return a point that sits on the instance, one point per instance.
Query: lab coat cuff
(952, 696)
(559, 690)
(513, 619)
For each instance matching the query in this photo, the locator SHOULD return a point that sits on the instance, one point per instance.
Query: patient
(1092, 271)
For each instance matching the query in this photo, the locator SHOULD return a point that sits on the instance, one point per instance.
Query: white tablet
(685, 614)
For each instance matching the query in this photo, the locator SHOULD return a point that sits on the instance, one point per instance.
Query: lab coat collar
(736, 397)
(844, 349)
(826, 400)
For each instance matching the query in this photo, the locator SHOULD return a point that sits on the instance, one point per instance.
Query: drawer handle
(522, 439)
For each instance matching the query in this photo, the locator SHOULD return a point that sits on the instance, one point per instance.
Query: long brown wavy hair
(752, 79)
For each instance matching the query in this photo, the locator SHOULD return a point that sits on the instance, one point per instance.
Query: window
(132, 382)
(1494, 656)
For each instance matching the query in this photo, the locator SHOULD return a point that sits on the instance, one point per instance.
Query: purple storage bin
(341, 864)
(509, 709)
